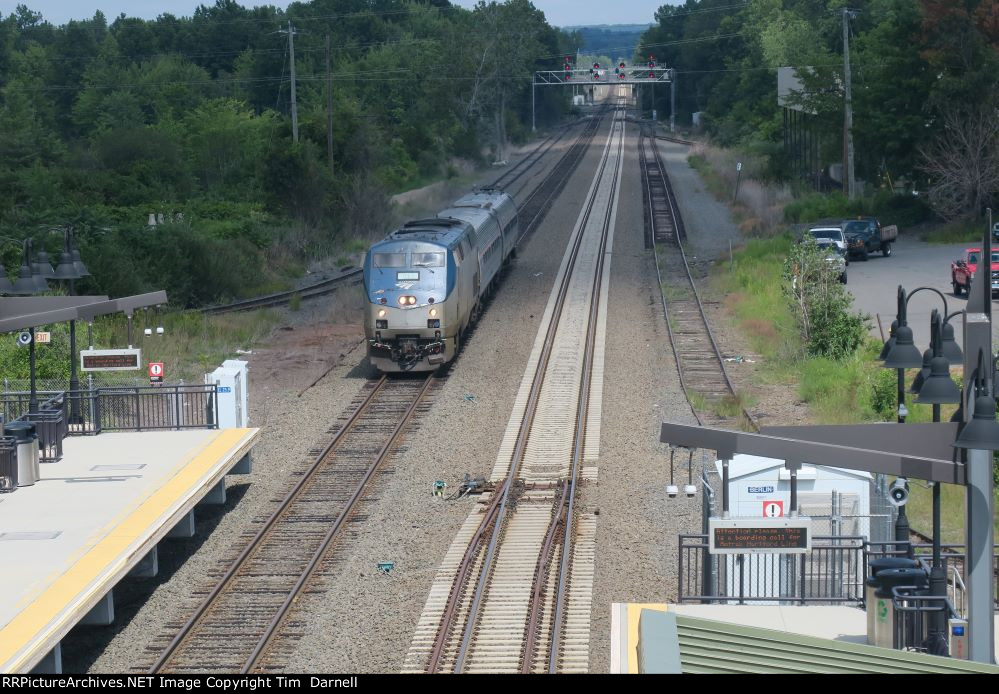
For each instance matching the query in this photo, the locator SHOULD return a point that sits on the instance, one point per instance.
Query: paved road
(912, 264)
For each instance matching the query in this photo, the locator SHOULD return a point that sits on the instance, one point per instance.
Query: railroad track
(515, 172)
(513, 592)
(536, 205)
(701, 370)
(326, 286)
(245, 621)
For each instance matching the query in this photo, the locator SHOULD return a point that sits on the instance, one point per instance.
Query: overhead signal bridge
(632, 74)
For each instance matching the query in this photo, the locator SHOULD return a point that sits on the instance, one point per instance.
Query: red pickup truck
(963, 269)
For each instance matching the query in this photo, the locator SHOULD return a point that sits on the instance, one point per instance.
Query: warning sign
(155, 372)
(773, 509)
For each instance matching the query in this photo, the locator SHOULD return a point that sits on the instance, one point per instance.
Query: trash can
(884, 607)
(26, 441)
(872, 584)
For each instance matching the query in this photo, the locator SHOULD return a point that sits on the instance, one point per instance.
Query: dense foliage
(103, 123)
(821, 304)
(917, 66)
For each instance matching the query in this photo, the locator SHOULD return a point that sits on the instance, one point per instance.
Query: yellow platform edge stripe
(31, 628)
(634, 616)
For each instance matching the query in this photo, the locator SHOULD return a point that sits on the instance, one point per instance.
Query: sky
(559, 12)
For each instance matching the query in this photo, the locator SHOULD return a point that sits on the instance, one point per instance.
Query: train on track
(426, 281)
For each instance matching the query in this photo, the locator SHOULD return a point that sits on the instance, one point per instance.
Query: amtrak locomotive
(426, 281)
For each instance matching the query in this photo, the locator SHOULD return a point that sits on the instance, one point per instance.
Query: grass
(848, 391)
(956, 232)
(192, 343)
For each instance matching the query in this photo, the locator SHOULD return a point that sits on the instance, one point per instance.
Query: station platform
(675, 639)
(92, 518)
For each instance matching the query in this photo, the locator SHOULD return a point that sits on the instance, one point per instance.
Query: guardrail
(89, 412)
(914, 618)
(8, 464)
(832, 573)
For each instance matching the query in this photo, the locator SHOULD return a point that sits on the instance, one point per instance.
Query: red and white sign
(773, 509)
(155, 372)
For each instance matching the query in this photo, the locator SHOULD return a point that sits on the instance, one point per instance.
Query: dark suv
(864, 236)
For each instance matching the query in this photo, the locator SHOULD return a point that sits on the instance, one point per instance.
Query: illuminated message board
(759, 536)
(110, 359)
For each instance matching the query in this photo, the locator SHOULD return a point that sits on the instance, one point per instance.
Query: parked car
(830, 236)
(963, 270)
(865, 235)
(830, 241)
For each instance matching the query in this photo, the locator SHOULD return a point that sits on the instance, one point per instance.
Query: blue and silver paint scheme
(410, 281)
(425, 282)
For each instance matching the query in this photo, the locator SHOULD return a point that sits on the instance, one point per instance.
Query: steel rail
(459, 582)
(582, 412)
(334, 530)
(296, 492)
(468, 558)
(648, 142)
(525, 427)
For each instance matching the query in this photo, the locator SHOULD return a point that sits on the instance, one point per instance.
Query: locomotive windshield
(428, 260)
(388, 259)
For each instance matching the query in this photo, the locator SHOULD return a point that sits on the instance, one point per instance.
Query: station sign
(156, 372)
(110, 359)
(759, 536)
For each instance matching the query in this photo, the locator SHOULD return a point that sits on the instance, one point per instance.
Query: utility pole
(672, 100)
(294, 101)
(848, 116)
(329, 106)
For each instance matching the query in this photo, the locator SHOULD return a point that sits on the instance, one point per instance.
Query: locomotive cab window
(408, 276)
(388, 259)
(428, 260)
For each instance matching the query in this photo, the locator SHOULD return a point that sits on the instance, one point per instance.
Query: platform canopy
(21, 313)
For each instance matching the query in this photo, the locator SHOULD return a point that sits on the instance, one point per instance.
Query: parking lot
(912, 264)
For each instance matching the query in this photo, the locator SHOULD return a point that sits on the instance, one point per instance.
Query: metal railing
(953, 556)
(832, 573)
(8, 464)
(914, 617)
(88, 412)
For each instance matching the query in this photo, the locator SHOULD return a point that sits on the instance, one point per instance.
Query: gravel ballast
(363, 620)
(637, 525)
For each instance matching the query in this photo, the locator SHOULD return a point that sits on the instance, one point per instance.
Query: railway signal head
(652, 75)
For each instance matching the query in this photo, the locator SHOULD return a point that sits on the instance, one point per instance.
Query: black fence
(832, 573)
(8, 464)
(89, 412)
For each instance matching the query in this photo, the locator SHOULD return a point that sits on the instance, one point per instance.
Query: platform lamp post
(900, 353)
(938, 388)
(71, 268)
(31, 281)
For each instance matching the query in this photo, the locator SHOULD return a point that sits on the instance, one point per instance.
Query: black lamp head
(939, 388)
(43, 266)
(924, 372)
(890, 342)
(903, 354)
(6, 287)
(80, 267)
(24, 285)
(982, 432)
(67, 268)
(949, 346)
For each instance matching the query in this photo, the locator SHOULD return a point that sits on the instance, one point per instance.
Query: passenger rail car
(426, 281)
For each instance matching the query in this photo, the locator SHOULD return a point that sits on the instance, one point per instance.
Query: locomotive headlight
(433, 313)
(382, 312)
(407, 300)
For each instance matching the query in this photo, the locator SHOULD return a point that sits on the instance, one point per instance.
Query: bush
(890, 208)
(821, 304)
(884, 394)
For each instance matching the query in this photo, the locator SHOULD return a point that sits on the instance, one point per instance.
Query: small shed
(837, 499)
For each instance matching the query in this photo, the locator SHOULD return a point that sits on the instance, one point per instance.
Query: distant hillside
(614, 40)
